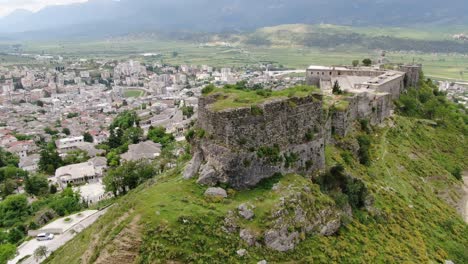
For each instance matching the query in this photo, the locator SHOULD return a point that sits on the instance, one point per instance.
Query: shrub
(309, 136)
(271, 154)
(364, 145)
(290, 159)
(208, 89)
(256, 110)
(457, 173)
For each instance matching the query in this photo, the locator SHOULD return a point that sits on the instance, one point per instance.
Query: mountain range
(111, 17)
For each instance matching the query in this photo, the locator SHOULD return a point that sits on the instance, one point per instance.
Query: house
(65, 144)
(147, 150)
(30, 163)
(81, 173)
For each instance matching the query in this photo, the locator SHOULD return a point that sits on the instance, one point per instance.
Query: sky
(8, 6)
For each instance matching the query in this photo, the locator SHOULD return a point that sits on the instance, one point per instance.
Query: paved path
(28, 248)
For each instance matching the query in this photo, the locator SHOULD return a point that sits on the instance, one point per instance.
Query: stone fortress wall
(293, 131)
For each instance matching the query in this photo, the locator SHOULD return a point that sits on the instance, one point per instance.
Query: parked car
(45, 236)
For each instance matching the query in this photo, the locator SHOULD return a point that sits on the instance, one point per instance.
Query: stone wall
(238, 143)
(283, 122)
(245, 145)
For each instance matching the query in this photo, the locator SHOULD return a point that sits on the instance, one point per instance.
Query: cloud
(8, 6)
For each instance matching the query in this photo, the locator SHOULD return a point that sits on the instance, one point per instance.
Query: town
(79, 127)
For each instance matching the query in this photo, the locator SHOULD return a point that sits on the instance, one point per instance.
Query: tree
(133, 135)
(50, 159)
(175, 54)
(75, 156)
(7, 158)
(128, 176)
(14, 209)
(87, 137)
(8, 187)
(66, 131)
(53, 189)
(367, 62)
(36, 185)
(337, 88)
(7, 251)
(355, 63)
(159, 135)
(40, 252)
(187, 111)
(66, 202)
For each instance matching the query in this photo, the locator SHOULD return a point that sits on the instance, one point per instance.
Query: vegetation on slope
(409, 174)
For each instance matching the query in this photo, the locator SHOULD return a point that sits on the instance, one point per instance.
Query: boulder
(230, 224)
(216, 192)
(248, 236)
(281, 240)
(241, 252)
(262, 262)
(330, 228)
(245, 210)
(208, 175)
(194, 165)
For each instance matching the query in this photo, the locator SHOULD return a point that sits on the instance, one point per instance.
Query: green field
(133, 93)
(284, 49)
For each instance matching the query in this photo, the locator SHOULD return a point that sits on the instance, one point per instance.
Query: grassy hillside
(412, 177)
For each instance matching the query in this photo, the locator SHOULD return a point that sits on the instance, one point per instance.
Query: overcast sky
(8, 6)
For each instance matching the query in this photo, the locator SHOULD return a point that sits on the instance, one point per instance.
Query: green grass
(409, 222)
(233, 98)
(133, 93)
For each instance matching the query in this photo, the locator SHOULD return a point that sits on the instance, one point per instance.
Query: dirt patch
(464, 201)
(125, 247)
(97, 239)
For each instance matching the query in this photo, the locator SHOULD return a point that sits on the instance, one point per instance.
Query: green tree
(7, 251)
(87, 137)
(133, 135)
(367, 62)
(75, 156)
(36, 185)
(49, 159)
(128, 176)
(66, 202)
(14, 209)
(15, 235)
(188, 111)
(355, 63)
(337, 88)
(66, 131)
(159, 135)
(8, 187)
(7, 158)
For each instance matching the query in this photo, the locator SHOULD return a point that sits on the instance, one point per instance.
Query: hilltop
(411, 183)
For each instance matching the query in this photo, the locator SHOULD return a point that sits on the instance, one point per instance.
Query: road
(29, 247)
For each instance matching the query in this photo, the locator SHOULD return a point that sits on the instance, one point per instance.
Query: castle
(243, 145)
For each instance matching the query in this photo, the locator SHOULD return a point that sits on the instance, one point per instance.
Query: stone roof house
(147, 150)
(81, 173)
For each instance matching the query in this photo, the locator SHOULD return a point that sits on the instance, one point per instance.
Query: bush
(364, 146)
(271, 154)
(256, 110)
(457, 173)
(208, 89)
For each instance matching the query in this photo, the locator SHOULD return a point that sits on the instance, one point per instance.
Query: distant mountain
(97, 17)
